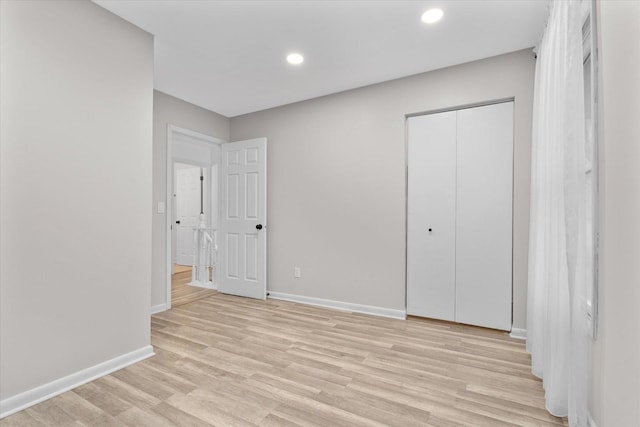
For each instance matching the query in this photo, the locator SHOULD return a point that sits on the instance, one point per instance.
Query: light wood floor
(229, 361)
(181, 292)
(177, 268)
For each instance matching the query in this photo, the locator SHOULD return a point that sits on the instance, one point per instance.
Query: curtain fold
(557, 326)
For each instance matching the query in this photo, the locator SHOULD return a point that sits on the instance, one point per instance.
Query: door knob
(429, 230)
(177, 222)
(259, 226)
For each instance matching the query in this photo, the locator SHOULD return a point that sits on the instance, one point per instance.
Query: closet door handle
(429, 230)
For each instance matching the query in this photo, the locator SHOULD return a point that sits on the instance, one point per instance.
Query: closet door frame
(436, 111)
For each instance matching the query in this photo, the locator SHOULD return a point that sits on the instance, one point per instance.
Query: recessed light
(295, 58)
(432, 15)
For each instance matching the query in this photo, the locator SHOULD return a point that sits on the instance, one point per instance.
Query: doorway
(232, 219)
(189, 189)
(192, 192)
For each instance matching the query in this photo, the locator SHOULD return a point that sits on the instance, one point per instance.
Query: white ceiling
(229, 56)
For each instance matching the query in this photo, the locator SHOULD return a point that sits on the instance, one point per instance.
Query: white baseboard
(519, 334)
(340, 305)
(29, 398)
(158, 308)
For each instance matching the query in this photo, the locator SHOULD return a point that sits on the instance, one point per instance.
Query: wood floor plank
(178, 417)
(229, 361)
(83, 411)
(51, 413)
(210, 411)
(142, 417)
(272, 420)
(181, 292)
(126, 392)
(22, 419)
(352, 404)
(537, 412)
(102, 398)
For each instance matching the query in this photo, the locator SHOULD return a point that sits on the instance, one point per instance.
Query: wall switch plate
(296, 271)
(161, 208)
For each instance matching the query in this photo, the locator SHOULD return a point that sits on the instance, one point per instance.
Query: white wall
(75, 174)
(169, 110)
(616, 375)
(336, 182)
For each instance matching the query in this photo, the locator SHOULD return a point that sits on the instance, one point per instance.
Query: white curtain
(557, 324)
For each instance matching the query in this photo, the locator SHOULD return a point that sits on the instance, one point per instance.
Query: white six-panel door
(243, 234)
(460, 181)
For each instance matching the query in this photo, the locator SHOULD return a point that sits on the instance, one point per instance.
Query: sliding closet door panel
(484, 216)
(431, 206)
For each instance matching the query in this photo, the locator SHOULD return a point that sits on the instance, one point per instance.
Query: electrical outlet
(296, 272)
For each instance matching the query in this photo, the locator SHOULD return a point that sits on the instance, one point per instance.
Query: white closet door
(431, 205)
(484, 216)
